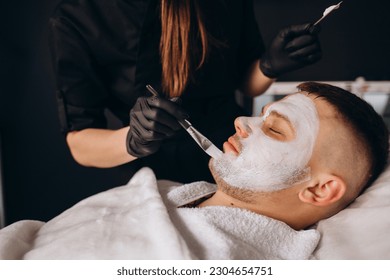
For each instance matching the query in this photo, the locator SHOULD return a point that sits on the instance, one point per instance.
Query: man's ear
(327, 190)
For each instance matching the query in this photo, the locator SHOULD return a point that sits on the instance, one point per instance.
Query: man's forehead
(293, 98)
(324, 109)
(304, 93)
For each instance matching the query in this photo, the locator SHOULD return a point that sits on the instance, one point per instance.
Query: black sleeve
(252, 45)
(80, 94)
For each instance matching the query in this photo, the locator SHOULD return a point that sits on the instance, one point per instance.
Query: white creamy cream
(267, 164)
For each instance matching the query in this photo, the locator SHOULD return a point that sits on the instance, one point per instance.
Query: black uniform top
(106, 51)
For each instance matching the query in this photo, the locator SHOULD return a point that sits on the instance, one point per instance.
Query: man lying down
(306, 157)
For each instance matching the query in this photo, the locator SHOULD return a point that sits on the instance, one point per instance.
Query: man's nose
(241, 126)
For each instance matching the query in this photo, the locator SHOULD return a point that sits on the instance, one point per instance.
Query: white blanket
(134, 222)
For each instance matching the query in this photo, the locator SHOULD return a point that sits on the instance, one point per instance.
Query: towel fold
(128, 222)
(219, 232)
(18, 238)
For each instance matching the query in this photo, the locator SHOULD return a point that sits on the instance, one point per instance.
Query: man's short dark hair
(362, 117)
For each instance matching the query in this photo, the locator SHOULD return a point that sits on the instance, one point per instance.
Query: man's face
(271, 152)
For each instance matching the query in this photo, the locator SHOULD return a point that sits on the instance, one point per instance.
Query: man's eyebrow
(278, 115)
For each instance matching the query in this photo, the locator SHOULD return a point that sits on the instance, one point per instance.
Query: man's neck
(222, 199)
(267, 205)
(260, 205)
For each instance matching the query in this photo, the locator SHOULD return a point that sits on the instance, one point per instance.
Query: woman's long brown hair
(177, 43)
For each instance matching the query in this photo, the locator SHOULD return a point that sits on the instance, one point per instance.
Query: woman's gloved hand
(152, 120)
(293, 48)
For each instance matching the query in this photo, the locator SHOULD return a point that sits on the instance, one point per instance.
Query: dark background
(355, 39)
(40, 177)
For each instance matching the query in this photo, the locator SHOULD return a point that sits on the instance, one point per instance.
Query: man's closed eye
(275, 131)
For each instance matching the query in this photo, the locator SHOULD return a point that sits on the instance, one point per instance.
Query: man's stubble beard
(243, 194)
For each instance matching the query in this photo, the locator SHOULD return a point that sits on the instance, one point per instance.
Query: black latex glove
(152, 120)
(293, 48)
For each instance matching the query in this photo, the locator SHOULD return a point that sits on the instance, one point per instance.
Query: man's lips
(231, 146)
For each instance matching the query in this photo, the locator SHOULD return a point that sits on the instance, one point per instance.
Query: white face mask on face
(266, 164)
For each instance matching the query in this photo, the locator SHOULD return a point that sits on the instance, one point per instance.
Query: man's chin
(233, 191)
(217, 177)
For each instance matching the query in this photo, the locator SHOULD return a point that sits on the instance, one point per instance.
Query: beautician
(106, 51)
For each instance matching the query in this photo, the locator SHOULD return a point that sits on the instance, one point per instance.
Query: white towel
(129, 222)
(217, 232)
(134, 222)
(18, 238)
